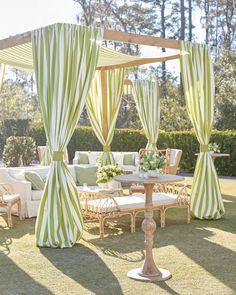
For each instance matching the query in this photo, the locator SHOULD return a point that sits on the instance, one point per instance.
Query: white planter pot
(103, 185)
(114, 184)
(153, 173)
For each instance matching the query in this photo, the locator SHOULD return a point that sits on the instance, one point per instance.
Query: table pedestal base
(136, 275)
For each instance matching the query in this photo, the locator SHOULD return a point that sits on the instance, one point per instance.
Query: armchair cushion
(83, 158)
(86, 175)
(35, 179)
(129, 159)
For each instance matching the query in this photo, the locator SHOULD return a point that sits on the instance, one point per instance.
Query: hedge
(132, 140)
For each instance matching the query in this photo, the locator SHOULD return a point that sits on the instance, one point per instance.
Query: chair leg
(101, 227)
(9, 217)
(132, 223)
(188, 214)
(163, 218)
(19, 210)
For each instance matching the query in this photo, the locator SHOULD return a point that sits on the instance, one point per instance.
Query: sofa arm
(136, 162)
(76, 160)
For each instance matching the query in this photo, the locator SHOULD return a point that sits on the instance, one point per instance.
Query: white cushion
(93, 157)
(36, 195)
(9, 198)
(125, 203)
(159, 199)
(118, 158)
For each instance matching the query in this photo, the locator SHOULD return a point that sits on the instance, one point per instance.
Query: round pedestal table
(149, 271)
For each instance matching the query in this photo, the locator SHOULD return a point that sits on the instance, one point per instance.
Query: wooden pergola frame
(111, 35)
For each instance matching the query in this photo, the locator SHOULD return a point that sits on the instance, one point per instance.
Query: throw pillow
(83, 158)
(35, 179)
(118, 158)
(128, 159)
(86, 175)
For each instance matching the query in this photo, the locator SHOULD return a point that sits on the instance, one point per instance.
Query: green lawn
(201, 257)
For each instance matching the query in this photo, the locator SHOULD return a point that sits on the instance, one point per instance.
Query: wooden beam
(140, 39)
(104, 104)
(141, 61)
(108, 35)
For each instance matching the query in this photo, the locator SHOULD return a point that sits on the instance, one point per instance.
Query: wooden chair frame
(111, 210)
(182, 201)
(7, 189)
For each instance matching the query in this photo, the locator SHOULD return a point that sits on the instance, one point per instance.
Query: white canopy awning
(20, 56)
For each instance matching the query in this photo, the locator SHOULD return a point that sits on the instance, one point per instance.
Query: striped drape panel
(103, 114)
(199, 89)
(2, 72)
(65, 59)
(147, 98)
(47, 157)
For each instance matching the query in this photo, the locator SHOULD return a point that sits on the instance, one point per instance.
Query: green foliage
(225, 77)
(126, 140)
(16, 127)
(106, 173)
(28, 150)
(152, 161)
(17, 149)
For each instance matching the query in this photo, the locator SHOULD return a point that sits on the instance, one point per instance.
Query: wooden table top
(162, 178)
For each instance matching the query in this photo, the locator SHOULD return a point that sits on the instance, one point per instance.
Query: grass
(201, 257)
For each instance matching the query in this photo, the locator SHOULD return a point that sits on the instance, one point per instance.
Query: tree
(225, 78)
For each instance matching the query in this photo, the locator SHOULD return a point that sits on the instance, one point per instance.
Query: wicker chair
(8, 199)
(107, 204)
(171, 195)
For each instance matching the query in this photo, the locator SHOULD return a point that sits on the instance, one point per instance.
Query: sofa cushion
(128, 159)
(36, 195)
(35, 179)
(93, 156)
(86, 175)
(118, 158)
(83, 158)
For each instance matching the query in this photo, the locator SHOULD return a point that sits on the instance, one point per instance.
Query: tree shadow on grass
(85, 267)
(194, 240)
(14, 280)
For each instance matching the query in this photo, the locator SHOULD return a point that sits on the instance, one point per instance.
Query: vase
(103, 185)
(113, 184)
(153, 173)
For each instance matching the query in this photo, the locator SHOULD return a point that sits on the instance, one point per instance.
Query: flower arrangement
(152, 161)
(106, 173)
(214, 147)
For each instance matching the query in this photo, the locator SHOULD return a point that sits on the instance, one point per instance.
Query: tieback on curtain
(57, 156)
(106, 148)
(203, 148)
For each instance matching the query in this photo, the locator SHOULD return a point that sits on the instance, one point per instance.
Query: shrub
(132, 140)
(19, 149)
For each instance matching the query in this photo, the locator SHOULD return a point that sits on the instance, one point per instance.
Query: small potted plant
(106, 174)
(213, 148)
(152, 163)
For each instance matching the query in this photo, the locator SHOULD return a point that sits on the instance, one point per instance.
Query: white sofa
(119, 158)
(30, 199)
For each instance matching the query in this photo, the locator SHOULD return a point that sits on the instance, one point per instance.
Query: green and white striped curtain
(147, 98)
(98, 113)
(2, 72)
(65, 58)
(46, 157)
(199, 89)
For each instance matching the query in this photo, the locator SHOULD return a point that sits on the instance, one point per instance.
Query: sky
(18, 16)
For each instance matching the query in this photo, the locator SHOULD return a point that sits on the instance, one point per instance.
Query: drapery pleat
(103, 104)
(199, 90)
(65, 58)
(147, 98)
